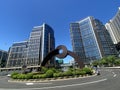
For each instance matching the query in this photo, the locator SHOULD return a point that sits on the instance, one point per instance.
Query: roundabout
(108, 80)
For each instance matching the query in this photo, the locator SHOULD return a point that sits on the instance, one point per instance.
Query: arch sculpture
(62, 55)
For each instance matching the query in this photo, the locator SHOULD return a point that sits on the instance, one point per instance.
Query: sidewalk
(116, 67)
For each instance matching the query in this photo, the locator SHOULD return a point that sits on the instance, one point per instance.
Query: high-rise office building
(17, 54)
(90, 40)
(3, 58)
(33, 51)
(41, 42)
(113, 27)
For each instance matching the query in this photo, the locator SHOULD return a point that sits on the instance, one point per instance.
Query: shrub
(68, 73)
(74, 72)
(82, 72)
(29, 76)
(54, 70)
(60, 74)
(117, 62)
(55, 75)
(35, 76)
(14, 73)
(21, 76)
(71, 69)
(14, 76)
(49, 73)
(88, 70)
(78, 72)
(44, 69)
(43, 76)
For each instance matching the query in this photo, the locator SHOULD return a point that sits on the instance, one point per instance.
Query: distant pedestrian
(97, 70)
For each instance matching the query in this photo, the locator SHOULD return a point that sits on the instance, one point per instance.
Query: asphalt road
(108, 80)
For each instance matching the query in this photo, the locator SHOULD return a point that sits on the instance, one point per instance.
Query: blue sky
(18, 17)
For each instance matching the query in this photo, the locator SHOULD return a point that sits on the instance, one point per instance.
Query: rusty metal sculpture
(62, 55)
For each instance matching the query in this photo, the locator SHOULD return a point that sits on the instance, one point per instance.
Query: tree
(117, 62)
(111, 60)
(3, 63)
(107, 61)
(95, 63)
(104, 61)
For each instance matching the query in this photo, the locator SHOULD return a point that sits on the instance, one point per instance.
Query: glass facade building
(113, 27)
(41, 42)
(33, 51)
(17, 54)
(3, 58)
(90, 40)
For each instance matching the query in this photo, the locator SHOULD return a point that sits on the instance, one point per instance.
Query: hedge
(88, 70)
(60, 74)
(53, 73)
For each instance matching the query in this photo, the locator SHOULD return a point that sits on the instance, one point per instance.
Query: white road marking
(29, 83)
(62, 86)
(36, 83)
(114, 75)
